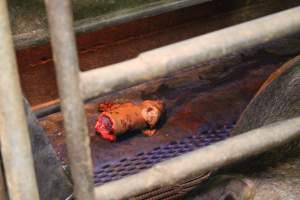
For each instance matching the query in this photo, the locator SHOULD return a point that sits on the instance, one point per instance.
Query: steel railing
(41, 37)
(15, 143)
(67, 73)
(196, 162)
(74, 86)
(165, 60)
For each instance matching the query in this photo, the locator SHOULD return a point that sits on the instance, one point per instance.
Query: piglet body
(117, 119)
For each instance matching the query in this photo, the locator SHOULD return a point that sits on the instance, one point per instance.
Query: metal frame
(15, 143)
(165, 60)
(202, 160)
(74, 86)
(67, 71)
(41, 36)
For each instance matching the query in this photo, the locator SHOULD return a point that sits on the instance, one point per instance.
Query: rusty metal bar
(67, 71)
(165, 60)
(211, 157)
(15, 142)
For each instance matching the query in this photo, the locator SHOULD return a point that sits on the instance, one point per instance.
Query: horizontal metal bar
(47, 108)
(153, 9)
(208, 158)
(15, 142)
(165, 60)
(67, 73)
(87, 25)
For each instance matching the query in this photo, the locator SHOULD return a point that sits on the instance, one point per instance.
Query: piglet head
(152, 111)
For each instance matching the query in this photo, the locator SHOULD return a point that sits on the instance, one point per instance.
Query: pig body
(276, 173)
(117, 119)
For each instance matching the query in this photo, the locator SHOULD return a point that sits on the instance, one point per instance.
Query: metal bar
(67, 72)
(165, 60)
(48, 108)
(15, 142)
(3, 189)
(39, 37)
(214, 156)
(153, 9)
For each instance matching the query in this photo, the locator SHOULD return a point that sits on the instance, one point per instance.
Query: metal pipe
(214, 156)
(54, 108)
(40, 36)
(15, 142)
(3, 189)
(152, 9)
(3, 193)
(67, 72)
(168, 59)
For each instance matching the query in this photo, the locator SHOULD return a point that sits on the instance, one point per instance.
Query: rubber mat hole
(144, 158)
(117, 165)
(125, 174)
(113, 175)
(148, 162)
(166, 148)
(108, 171)
(126, 165)
(120, 169)
(156, 148)
(154, 157)
(105, 166)
(182, 150)
(165, 156)
(143, 167)
(123, 160)
(131, 169)
(170, 151)
(99, 172)
(103, 176)
(138, 163)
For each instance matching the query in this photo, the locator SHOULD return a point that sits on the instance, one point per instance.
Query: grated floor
(143, 160)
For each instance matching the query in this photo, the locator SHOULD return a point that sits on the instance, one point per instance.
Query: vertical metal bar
(2, 183)
(3, 189)
(15, 143)
(67, 72)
